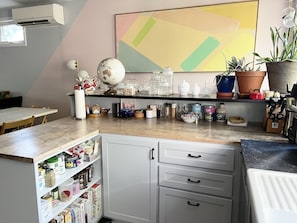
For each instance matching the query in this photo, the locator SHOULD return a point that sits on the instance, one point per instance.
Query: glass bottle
(221, 113)
(173, 111)
(167, 108)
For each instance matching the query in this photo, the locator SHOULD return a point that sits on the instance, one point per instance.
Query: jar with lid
(52, 163)
(221, 113)
(168, 76)
(209, 111)
(50, 178)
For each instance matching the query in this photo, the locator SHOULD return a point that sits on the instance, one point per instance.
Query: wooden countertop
(36, 143)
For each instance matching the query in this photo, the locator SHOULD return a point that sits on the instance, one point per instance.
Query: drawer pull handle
(193, 181)
(153, 153)
(191, 204)
(190, 155)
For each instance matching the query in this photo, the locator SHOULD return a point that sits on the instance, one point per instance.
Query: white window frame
(12, 43)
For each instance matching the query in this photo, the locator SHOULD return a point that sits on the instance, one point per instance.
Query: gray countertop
(39, 142)
(278, 156)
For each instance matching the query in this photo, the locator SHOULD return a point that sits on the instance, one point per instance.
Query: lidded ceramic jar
(183, 88)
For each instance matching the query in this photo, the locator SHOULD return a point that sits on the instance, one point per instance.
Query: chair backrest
(16, 125)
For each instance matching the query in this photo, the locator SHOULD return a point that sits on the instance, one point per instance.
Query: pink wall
(91, 39)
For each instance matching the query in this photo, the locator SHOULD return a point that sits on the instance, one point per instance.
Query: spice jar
(50, 178)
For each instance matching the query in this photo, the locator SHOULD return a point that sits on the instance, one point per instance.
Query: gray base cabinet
(148, 180)
(130, 178)
(196, 182)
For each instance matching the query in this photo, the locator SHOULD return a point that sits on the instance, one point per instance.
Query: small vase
(196, 90)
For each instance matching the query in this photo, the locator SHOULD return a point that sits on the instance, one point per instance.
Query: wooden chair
(44, 118)
(16, 125)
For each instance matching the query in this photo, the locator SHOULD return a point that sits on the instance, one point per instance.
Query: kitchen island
(28, 147)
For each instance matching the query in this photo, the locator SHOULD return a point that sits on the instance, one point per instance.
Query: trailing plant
(284, 46)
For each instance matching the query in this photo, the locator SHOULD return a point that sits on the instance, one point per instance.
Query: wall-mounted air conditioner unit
(51, 14)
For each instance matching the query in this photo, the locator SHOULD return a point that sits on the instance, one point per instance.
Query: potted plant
(225, 83)
(282, 63)
(248, 78)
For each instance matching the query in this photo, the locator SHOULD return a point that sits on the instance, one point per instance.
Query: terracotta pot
(281, 74)
(249, 81)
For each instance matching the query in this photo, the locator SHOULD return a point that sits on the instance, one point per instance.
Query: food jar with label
(61, 164)
(221, 113)
(209, 111)
(52, 163)
(50, 178)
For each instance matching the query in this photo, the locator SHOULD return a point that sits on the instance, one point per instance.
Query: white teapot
(183, 88)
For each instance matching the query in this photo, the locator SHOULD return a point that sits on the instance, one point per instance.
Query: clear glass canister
(166, 83)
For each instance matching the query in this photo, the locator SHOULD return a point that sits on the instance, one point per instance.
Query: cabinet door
(130, 178)
(178, 206)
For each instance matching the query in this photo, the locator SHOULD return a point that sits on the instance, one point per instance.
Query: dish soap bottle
(221, 113)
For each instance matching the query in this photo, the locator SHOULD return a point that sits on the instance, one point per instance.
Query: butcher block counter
(35, 143)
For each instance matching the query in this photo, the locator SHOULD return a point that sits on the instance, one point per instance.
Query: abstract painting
(193, 39)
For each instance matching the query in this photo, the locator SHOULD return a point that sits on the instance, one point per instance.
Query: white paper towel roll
(80, 104)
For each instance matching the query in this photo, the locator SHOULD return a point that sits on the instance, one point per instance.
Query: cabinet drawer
(180, 206)
(196, 180)
(205, 155)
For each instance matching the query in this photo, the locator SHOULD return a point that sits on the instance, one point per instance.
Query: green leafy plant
(237, 64)
(284, 46)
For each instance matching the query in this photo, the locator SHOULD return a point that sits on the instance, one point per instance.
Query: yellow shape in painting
(159, 43)
(238, 44)
(246, 17)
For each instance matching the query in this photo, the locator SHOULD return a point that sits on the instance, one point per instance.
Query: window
(12, 34)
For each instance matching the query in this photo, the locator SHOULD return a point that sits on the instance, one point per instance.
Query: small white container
(149, 113)
(66, 190)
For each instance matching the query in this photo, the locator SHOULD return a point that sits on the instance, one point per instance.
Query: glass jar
(209, 111)
(50, 178)
(221, 113)
(167, 108)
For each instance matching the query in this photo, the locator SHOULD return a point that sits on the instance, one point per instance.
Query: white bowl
(189, 118)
